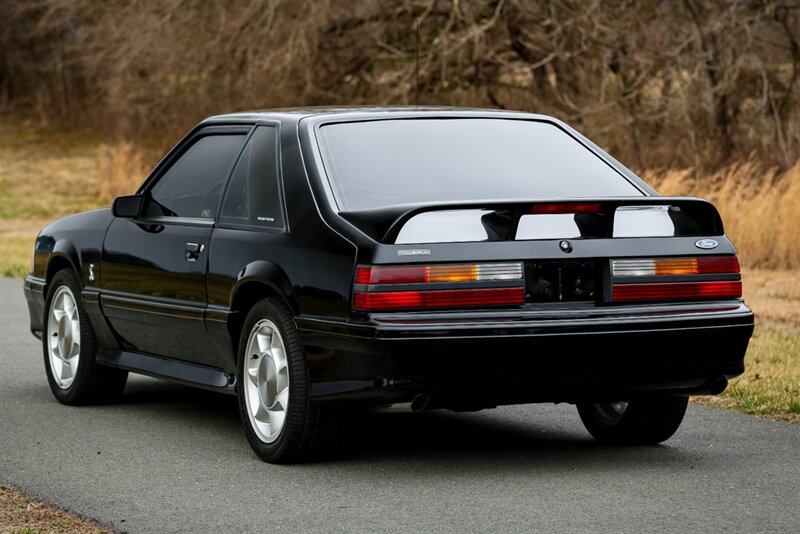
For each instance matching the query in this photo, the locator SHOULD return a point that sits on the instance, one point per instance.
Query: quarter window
(253, 197)
(193, 185)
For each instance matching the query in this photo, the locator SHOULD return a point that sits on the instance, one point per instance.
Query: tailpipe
(418, 404)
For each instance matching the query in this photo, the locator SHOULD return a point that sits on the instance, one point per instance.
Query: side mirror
(129, 206)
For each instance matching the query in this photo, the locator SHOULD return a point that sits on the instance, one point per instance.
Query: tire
(638, 422)
(281, 423)
(69, 360)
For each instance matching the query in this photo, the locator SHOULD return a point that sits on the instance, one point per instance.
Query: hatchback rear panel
(596, 311)
(569, 338)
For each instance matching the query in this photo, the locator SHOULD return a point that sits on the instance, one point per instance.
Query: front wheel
(280, 422)
(69, 348)
(637, 422)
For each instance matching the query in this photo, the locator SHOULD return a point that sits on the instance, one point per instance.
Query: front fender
(65, 249)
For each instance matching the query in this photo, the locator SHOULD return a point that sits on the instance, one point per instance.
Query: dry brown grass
(775, 296)
(45, 176)
(761, 209)
(770, 385)
(22, 515)
(120, 170)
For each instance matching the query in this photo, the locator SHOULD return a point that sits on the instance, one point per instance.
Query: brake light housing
(648, 279)
(403, 287)
(554, 208)
(675, 266)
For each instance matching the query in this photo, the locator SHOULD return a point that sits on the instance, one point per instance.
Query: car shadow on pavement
(490, 440)
(542, 437)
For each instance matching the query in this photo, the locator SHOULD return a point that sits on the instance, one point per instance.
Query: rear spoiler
(691, 216)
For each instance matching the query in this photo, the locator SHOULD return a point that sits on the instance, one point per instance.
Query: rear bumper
(477, 359)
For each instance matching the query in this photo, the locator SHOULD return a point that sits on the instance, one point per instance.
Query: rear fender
(266, 273)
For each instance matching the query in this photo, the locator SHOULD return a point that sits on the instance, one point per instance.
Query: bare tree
(662, 83)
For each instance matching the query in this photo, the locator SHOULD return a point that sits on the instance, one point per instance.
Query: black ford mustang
(311, 261)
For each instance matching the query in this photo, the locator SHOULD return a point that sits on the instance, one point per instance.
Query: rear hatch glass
(376, 164)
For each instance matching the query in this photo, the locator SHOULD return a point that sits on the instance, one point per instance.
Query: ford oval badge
(706, 244)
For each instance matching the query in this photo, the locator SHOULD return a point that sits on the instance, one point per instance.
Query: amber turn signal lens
(452, 273)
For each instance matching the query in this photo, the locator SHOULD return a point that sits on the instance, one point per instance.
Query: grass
(22, 515)
(770, 386)
(13, 251)
(46, 176)
(760, 208)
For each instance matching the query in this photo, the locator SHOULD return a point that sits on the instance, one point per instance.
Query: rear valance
(501, 220)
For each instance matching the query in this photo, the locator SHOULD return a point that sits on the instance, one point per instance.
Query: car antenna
(416, 68)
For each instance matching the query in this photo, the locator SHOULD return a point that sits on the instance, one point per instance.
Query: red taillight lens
(566, 207)
(677, 290)
(390, 275)
(394, 300)
(717, 265)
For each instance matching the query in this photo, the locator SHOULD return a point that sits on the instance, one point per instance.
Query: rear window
(409, 161)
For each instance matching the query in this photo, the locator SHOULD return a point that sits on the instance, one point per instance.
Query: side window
(253, 196)
(193, 185)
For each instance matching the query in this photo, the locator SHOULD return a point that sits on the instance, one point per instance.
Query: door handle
(193, 251)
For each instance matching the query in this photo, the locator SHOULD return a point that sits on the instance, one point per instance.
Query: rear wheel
(280, 422)
(637, 422)
(69, 348)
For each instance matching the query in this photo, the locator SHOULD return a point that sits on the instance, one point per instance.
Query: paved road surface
(170, 458)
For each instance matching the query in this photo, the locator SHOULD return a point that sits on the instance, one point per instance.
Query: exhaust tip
(718, 386)
(420, 402)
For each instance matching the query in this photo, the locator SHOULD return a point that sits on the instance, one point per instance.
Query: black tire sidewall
(291, 434)
(645, 421)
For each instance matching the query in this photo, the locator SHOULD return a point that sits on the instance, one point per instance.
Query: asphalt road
(171, 458)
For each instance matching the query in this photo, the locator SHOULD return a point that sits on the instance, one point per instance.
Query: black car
(320, 260)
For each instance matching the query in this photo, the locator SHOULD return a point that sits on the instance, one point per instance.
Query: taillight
(438, 299)
(445, 285)
(677, 290)
(683, 278)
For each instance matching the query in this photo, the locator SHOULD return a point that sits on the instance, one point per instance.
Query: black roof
(365, 112)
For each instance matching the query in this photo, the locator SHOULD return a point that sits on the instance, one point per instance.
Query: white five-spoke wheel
(64, 337)
(267, 381)
(68, 344)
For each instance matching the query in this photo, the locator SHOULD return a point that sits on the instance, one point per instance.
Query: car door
(153, 281)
